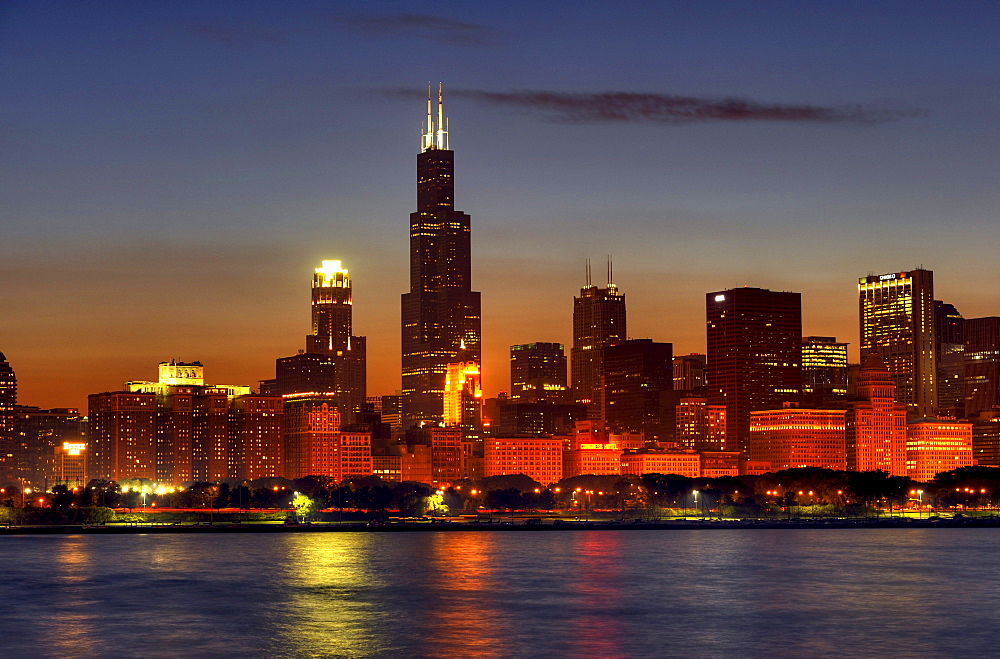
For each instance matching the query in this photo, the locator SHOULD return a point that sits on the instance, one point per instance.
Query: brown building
(700, 425)
(982, 365)
(933, 446)
(256, 440)
(876, 423)
(790, 438)
(70, 464)
(754, 354)
(636, 373)
(122, 435)
(315, 445)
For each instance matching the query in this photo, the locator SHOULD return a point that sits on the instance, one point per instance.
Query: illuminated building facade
(790, 438)
(875, 424)
(933, 446)
(636, 373)
(754, 354)
(539, 458)
(69, 466)
(441, 315)
(122, 434)
(39, 436)
(689, 372)
(589, 450)
(949, 352)
(683, 462)
(316, 445)
(463, 397)
(598, 322)
(446, 455)
(824, 367)
(256, 440)
(716, 464)
(986, 438)
(538, 372)
(8, 401)
(982, 365)
(897, 321)
(699, 425)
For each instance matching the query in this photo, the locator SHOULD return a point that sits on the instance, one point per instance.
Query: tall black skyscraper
(598, 322)
(441, 314)
(8, 401)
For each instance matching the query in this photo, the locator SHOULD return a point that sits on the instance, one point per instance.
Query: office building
(689, 372)
(949, 352)
(986, 438)
(683, 462)
(539, 458)
(8, 401)
(791, 438)
(636, 374)
(39, 436)
(824, 368)
(897, 321)
(875, 423)
(441, 315)
(982, 365)
(598, 322)
(538, 372)
(699, 425)
(316, 444)
(934, 445)
(754, 354)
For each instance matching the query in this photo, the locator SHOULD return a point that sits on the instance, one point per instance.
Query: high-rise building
(876, 423)
(39, 436)
(754, 354)
(949, 349)
(538, 372)
(982, 365)
(316, 445)
(897, 321)
(8, 401)
(824, 367)
(122, 435)
(463, 397)
(699, 425)
(689, 372)
(441, 315)
(598, 322)
(636, 373)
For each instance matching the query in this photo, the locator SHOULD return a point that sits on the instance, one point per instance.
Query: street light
(697, 510)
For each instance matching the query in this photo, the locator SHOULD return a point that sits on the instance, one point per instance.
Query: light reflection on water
(916, 592)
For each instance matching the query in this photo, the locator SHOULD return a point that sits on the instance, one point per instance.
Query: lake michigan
(714, 593)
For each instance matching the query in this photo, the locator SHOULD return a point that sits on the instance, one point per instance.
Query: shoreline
(417, 527)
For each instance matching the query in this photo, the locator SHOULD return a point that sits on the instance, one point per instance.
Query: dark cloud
(422, 26)
(235, 35)
(612, 107)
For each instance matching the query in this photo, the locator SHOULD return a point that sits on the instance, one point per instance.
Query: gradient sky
(172, 172)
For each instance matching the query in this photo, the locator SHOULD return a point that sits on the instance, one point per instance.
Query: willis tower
(441, 313)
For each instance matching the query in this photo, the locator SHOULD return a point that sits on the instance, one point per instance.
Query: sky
(172, 172)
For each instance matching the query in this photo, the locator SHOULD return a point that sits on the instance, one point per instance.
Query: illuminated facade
(986, 438)
(446, 455)
(70, 464)
(39, 436)
(441, 315)
(536, 457)
(463, 397)
(636, 373)
(315, 444)
(933, 446)
(949, 352)
(875, 424)
(256, 440)
(590, 450)
(8, 401)
(791, 438)
(122, 435)
(897, 321)
(824, 367)
(982, 365)
(538, 372)
(700, 425)
(754, 354)
(683, 462)
(598, 322)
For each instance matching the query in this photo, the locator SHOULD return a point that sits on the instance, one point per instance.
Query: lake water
(705, 593)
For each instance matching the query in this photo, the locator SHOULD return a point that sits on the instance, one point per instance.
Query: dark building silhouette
(8, 401)
(636, 373)
(897, 321)
(538, 372)
(949, 349)
(598, 322)
(689, 372)
(982, 365)
(441, 313)
(754, 354)
(40, 435)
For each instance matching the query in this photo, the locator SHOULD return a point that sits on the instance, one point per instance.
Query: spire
(436, 130)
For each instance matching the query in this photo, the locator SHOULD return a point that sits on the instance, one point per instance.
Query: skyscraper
(876, 423)
(949, 349)
(538, 372)
(824, 367)
(636, 373)
(982, 365)
(598, 322)
(897, 321)
(8, 401)
(754, 354)
(441, 314)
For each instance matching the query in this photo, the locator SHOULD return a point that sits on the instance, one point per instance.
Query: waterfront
(785, 592)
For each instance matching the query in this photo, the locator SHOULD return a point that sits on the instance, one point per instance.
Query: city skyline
(159, 188)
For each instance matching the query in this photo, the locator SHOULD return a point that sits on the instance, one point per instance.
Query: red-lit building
(683, 462)
(875, 424)
(700, 425)
(539, 458)
(123, 435)
(315, 445)
(933, 446)
(790, 438)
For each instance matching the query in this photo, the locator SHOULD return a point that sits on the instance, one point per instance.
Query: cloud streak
(421, 26)
(629, 107)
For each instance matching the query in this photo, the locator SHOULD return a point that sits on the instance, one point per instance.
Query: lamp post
(697, 510)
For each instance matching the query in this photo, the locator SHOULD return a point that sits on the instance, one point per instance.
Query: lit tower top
(435, 132)
(331, 310)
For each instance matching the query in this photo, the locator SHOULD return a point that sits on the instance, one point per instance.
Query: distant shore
(504, 526)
